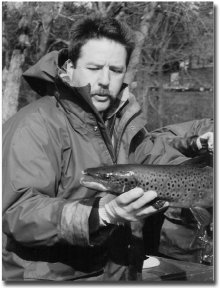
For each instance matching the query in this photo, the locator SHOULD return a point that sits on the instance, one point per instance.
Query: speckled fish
(183, 186)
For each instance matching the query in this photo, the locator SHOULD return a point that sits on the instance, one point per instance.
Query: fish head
(109, 178)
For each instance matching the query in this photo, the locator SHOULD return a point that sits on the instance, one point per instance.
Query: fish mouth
(92, 181)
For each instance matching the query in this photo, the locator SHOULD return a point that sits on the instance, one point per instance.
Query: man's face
(102, 64)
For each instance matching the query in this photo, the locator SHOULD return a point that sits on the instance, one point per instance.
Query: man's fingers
(147, 197)
(208, 138)
(130, 196)
(211, 141)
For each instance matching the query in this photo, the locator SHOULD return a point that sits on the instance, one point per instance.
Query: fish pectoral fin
(203, 219)
(201, 215)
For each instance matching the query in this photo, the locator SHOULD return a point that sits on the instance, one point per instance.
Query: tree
(164, 32)
(175, 35)
(13, 70)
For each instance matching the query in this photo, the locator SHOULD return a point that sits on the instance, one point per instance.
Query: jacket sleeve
(187, 129)
(172, 144)
(32, 210)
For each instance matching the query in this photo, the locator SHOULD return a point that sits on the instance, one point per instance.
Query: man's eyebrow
(95, 64)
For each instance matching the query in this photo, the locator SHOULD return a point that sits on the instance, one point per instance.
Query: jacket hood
(49, 75)
(41, 76)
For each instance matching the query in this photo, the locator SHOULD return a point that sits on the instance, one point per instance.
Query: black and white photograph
(108, 132)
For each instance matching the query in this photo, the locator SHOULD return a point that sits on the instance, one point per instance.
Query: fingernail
(140, 191)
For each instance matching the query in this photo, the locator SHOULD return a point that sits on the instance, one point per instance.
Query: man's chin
(101, 106)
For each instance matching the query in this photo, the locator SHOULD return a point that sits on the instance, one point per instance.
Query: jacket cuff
(98, 234)
(94, 221)
(74, 224)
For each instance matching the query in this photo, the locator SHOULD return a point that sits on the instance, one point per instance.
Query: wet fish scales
(182, 186)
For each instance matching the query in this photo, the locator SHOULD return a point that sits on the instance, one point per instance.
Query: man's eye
(93, 68)
(117, 71)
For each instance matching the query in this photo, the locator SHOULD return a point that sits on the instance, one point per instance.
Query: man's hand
(129, 206)
(206, 141)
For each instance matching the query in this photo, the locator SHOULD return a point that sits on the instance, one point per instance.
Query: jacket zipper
(128, 117)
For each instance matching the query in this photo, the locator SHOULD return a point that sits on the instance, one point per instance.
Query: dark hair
(97, 27)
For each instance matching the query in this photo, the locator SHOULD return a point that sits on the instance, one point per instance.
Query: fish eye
(107, 176)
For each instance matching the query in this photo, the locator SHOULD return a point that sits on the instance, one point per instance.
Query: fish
(183, 186)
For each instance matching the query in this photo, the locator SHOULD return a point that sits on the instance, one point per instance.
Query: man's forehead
(99, 50)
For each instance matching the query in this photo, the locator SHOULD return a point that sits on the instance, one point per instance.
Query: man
(55, 229)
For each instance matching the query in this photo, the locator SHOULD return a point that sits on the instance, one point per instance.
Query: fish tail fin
(200, 161)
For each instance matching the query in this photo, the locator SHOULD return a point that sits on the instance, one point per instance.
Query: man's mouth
(101, 97)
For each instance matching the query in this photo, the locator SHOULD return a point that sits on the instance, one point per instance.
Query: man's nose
(104, 77)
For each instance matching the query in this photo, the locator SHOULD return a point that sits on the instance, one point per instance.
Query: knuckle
(134, 206)
(122, 199)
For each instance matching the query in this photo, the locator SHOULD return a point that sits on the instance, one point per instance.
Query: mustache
(101, 92)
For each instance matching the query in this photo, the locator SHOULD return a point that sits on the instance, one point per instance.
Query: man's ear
(70, 69)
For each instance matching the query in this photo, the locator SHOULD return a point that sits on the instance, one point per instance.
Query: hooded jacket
(46, 145)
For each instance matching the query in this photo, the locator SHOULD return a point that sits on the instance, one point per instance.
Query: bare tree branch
(67, 17)
(140, 37)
